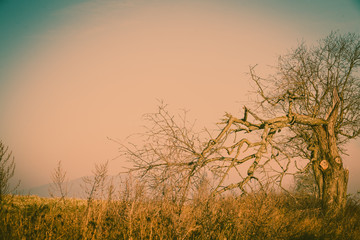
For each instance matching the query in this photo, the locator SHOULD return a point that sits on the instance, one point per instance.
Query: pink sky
(93, 76)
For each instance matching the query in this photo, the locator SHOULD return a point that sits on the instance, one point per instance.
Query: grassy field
(257, 216)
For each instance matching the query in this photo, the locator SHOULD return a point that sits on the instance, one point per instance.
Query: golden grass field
(255, 216)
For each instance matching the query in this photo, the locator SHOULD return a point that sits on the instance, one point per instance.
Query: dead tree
(318, 89)
(59, 184)
(167, 151)
(311, 108)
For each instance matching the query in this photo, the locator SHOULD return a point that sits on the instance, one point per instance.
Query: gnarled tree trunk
(330, 174)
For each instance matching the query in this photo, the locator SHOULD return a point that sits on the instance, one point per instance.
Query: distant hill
(75, 187)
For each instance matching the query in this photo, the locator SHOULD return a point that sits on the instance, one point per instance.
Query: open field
(257, 216)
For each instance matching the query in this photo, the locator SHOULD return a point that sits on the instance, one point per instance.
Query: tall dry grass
(136, 216)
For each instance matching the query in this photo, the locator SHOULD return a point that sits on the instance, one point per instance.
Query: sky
(74, 73)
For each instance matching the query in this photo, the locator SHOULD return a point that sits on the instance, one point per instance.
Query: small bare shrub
(7, 169)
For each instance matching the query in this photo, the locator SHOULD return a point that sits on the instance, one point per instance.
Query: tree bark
(330, 174)
(317, 172)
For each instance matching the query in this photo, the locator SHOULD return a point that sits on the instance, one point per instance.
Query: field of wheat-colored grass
(255, 216)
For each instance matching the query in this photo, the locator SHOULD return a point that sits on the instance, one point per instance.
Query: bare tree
(311, 108)
(164, 159)
(95, 186)
(318, 89)
(59, 182)
(7, 169)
